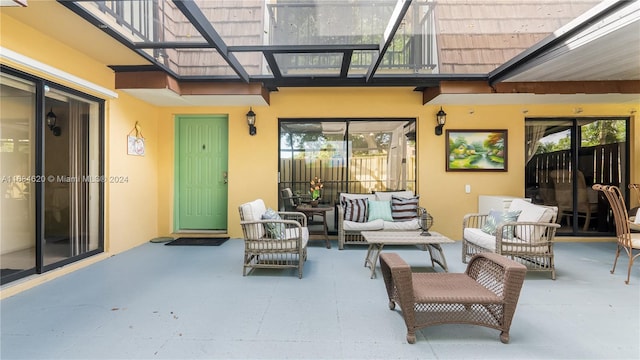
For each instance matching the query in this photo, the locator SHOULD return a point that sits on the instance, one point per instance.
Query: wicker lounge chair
(273, 243)
(529, 240)
(486, 294)
(627, 241)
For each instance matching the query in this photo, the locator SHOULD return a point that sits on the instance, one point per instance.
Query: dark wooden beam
(161, 80)
(539, 88)
(570, 87)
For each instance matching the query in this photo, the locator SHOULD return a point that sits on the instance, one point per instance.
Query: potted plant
(315, 190)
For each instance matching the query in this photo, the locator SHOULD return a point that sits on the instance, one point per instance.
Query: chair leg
(411, 336)
(587, 221)
(629, 270)
(615, 261)
(504, 337)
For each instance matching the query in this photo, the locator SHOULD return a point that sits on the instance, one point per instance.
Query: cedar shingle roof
(478, 36)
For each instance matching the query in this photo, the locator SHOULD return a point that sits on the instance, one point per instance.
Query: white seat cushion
(531, 213)
(635, 240)
(413, 224)
(377, 224)
(253, 211)
(480, 238)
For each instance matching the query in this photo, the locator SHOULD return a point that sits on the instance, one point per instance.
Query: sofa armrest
(500, 275)
(398, 281)
(249, 234)
(526, 233)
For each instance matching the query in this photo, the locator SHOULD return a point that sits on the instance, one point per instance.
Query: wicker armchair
(273, 243)
(529, 240)
(486, 294)
(626, 240)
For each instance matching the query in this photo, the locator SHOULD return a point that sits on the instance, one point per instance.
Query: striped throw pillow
(404, 209)
(355, 210)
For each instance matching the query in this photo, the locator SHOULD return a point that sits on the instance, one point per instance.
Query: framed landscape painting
(476, 150)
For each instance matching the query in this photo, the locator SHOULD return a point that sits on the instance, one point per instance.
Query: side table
(320, 211)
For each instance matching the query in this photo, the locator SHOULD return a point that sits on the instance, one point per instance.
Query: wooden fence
(363, 175)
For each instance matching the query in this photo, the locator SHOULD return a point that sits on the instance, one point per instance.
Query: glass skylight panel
(361, 61)
(304, 22)
(196, 62)
(253, 63)
(434, 37)
(142, 22)
(309, 64)
(475, 37)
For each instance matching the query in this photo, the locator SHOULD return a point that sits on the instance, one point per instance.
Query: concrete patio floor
(192, 302)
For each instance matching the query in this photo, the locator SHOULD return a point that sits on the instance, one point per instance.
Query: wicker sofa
(528, 239)
(486, 294)
(349, 231)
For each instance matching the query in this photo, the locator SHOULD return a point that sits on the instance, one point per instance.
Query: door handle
(225, 177)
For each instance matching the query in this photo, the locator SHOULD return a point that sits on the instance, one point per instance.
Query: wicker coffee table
(378, 239)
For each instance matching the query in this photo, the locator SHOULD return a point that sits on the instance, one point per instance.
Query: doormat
(198, 241)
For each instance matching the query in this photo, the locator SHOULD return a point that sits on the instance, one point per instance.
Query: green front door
(201, 172)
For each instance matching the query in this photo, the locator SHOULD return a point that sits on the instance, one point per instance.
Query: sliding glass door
(565, 157)
(349, 155)
(51, 170)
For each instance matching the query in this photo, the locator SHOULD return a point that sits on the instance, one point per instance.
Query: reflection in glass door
(565, 157)
(71, 167)
(17, 166)
(355, 156)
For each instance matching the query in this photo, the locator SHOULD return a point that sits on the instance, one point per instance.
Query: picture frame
(135, 145)
(476, 150)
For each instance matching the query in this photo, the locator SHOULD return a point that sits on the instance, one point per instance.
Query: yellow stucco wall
(253, 158)
(142, 208)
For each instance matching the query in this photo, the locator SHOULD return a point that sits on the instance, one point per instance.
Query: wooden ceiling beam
(162, 80)
(570, 87)
(539, 88)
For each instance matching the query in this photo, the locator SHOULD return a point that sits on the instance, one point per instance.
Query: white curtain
(533, 134)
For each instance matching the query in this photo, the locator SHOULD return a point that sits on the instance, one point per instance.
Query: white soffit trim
(167, 97)
(56, 73)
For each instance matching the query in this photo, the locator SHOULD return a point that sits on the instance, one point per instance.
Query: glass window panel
(602, 132)
(72, 169)
(17, 170)
(348, 155)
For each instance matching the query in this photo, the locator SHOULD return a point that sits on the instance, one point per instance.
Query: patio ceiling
(454, 51)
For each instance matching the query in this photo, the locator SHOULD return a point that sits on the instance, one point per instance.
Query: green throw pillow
(379, 210)
(496, 218)
(275, 230)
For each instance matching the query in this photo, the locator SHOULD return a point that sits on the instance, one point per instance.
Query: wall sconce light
(51, 123)
(441, 119)
(251, 120)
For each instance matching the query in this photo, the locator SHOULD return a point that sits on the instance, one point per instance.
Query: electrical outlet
(467, 189)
